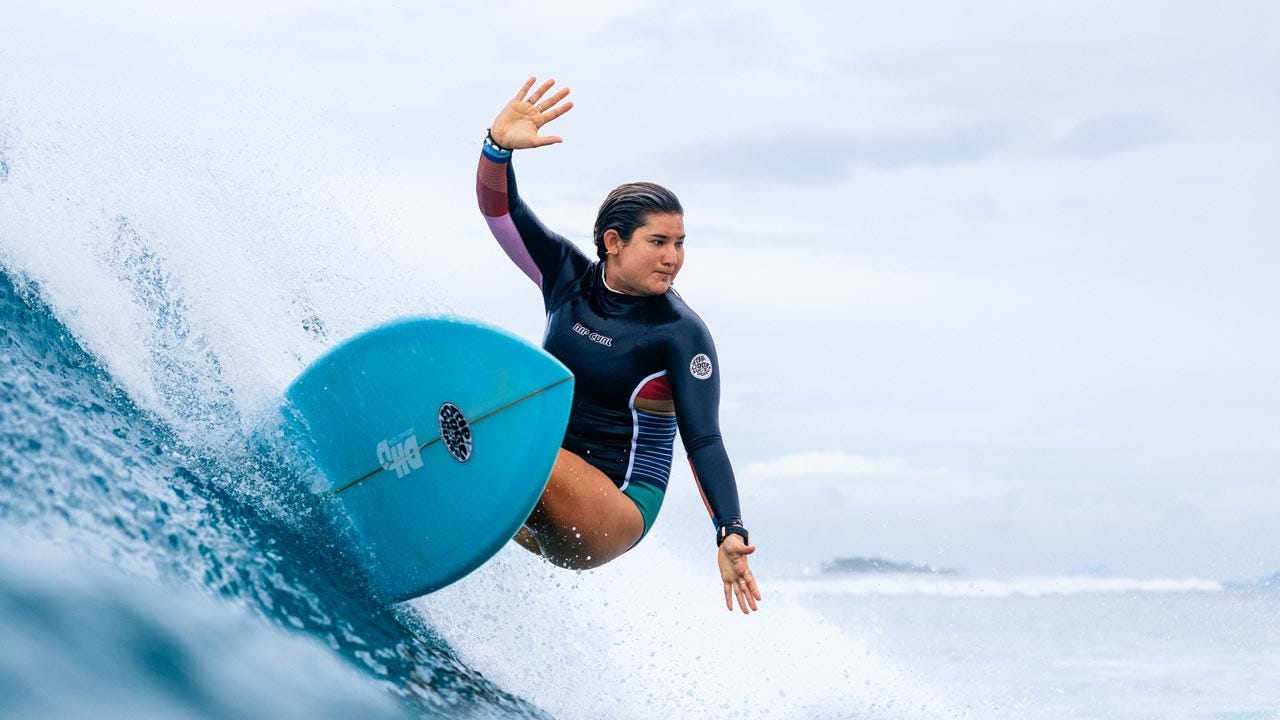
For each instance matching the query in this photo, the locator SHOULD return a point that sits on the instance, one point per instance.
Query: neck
(604, 275)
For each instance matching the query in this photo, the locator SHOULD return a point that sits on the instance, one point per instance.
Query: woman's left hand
(738, 581)
(518, 123)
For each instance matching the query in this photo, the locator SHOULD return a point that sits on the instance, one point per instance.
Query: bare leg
(582, 520)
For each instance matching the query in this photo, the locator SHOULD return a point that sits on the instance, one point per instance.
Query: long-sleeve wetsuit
(644, 365)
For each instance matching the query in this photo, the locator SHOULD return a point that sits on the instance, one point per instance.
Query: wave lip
(952, 586)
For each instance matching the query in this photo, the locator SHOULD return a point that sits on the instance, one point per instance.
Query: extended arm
(693, 368)
(541, 254)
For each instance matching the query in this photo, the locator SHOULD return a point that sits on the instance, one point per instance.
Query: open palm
(517, 125)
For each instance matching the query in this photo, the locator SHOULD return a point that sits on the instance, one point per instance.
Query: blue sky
(992, 283)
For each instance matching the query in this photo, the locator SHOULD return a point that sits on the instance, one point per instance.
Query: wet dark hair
(629, 206)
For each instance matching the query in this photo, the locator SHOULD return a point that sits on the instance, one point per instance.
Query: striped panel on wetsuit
(653, 416)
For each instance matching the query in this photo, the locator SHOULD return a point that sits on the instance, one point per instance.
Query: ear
(612, 242)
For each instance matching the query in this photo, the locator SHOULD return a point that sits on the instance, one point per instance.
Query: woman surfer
(644, 363)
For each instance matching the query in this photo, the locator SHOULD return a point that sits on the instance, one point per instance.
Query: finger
(748, 549)
(548, 140)
(551, 101)
(556, 112)
(742, 597)
(728, 595)
(542, 90)
(524, 89)
(754, 588)
(752, 594)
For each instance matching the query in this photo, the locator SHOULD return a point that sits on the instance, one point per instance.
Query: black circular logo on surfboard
(455, 432)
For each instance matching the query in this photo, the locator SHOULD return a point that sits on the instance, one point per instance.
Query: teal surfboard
(436, 436)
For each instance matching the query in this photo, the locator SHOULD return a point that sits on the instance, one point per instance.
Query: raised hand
(517, 125)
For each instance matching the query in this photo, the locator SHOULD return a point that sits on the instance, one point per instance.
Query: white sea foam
(648, 636)
(958, 586)
(205, 263)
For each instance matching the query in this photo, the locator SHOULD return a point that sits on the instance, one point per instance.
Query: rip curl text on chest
(586, 332)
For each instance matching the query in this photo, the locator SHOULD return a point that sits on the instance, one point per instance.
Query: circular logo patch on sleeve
(700, 367)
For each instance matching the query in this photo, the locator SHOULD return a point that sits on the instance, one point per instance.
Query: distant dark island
(842, 566)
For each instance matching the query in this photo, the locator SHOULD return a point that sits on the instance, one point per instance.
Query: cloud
(829, 463)
(837, 474)
(810, 156)
(805, 156)
(1114, 134)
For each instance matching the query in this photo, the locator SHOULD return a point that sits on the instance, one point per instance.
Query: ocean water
(1075, 646)
(159, 558)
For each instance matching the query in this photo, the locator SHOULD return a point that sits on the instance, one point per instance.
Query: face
(650, 262)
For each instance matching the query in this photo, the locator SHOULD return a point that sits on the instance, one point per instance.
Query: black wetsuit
(644, 365)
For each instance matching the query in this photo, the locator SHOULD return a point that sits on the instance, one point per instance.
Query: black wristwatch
(735, 529)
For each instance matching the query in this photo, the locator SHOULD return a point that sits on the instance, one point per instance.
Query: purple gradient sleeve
(542, 255)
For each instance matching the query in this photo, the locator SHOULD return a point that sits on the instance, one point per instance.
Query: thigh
(582, 519)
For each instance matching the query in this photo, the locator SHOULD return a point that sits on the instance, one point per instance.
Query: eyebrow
(665, 237)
